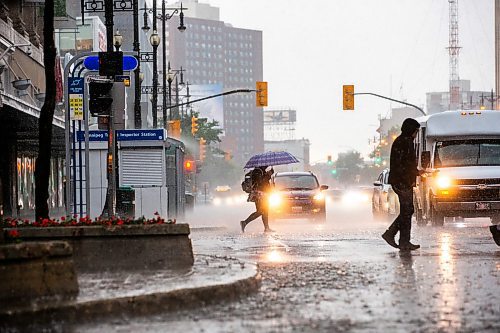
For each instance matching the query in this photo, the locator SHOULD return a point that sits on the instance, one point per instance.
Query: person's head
(410, 127)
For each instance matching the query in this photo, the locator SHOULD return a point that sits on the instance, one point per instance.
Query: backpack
(247, 184)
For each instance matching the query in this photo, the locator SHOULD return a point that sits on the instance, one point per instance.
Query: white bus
(463, 148)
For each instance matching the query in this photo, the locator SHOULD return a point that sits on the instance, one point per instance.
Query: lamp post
(117, 40)
(171, 75)
(154, 39)
(166, 76)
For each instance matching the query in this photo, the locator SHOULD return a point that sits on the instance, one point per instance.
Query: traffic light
(194, 125)
(348, 97)
(329, 160)
(378, 159)
(189, 166)
(100, 98)
(174, 129)
(261, 94)
(334, 172)
(203, 149)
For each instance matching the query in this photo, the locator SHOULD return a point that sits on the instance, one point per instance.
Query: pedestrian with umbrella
(260, 183)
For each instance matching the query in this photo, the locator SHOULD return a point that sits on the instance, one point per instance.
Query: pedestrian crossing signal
(348, 97)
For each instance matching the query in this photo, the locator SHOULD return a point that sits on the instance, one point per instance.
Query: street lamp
(171, 74)
(145, 27)
(154, 39)
(164, 16)
(117, 40)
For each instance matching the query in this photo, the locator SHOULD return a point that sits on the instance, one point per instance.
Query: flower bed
(111, 244)
(74, 221)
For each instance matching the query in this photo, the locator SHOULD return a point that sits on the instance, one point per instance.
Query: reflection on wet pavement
(341, 276)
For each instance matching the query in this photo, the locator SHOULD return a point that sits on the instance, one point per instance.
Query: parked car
(385, 203)
(297, 194)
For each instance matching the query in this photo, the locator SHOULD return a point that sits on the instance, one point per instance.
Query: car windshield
(467, 153)
(299, 182)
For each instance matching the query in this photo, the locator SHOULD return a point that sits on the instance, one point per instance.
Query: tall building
(216, 53)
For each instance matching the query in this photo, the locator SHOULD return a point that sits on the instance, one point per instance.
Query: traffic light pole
(111, 158)
(213, 96)
(394, 100)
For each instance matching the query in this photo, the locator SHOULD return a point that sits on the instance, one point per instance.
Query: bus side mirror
(425, 159)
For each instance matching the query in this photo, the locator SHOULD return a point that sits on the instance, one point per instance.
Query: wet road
(340, 276)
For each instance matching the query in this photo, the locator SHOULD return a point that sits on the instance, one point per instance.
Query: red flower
(120, 222)
(13, 233)
(63, 218)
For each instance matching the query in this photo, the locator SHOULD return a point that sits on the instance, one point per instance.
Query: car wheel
(495, 219)
(437, 218)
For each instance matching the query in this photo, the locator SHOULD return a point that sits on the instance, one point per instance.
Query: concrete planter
(125, 247)
(32, 270)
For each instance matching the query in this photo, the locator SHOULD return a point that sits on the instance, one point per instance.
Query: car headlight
(275, 199)
(443, 182)
(319, 196)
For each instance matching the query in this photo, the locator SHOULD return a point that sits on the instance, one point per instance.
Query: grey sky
(391, 47)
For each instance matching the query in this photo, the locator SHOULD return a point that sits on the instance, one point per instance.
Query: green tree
(349, 165)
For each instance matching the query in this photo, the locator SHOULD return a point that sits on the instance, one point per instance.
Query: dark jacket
(403, 167)
(261, 179)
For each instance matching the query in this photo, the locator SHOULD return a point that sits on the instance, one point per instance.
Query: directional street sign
(75, 92)
(92, 63)
(125, 135)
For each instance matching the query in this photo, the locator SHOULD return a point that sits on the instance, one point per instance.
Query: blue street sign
(75, 85)
(124, 135)
(92, 63)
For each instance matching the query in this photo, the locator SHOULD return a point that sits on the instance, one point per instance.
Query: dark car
(297, 194)
(385, 203)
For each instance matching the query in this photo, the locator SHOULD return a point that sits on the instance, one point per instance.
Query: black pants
(402, 223)
(261, 209)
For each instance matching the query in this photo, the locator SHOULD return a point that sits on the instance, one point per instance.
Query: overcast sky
(395, 48)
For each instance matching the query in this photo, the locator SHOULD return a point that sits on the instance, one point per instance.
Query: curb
(149, 304)
(207, 229)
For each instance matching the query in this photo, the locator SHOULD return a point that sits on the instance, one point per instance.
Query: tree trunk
(42, 167)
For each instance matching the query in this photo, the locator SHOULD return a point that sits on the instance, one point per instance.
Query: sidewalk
(211, 279)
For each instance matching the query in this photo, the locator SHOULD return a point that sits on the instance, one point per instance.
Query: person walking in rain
(260, 186)
(402, 177)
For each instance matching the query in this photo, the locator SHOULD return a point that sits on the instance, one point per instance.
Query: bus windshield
(467, 153)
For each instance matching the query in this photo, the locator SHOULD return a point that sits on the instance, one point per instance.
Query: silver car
(385, 203)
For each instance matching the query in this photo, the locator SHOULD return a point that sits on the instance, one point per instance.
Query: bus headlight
(275, 200)
(443, 182)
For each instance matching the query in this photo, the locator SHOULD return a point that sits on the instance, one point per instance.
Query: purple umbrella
(271, 158)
